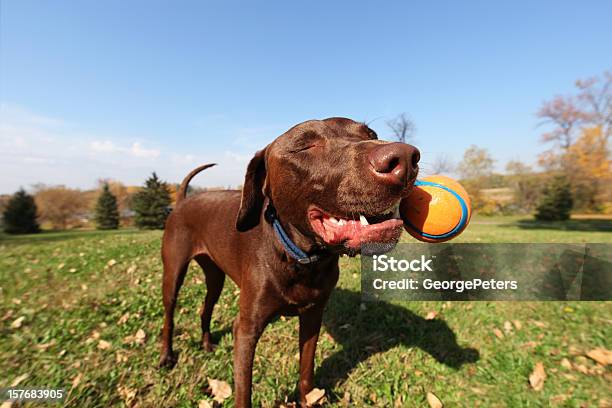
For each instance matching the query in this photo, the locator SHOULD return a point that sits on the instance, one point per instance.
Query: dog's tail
(182, 191)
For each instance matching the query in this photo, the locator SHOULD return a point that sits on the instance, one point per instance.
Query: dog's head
(334, 181)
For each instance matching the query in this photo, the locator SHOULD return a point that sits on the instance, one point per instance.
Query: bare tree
(566, 118)
(403, 127)
(442, 164)
(596, 94)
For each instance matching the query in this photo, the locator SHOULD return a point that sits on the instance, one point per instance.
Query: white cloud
(136, 149)
(139, 151)
(37, 148)
(105, 146)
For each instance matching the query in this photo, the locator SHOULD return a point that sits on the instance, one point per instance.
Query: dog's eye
(297, 149)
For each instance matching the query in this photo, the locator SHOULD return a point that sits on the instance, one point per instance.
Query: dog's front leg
(310, 325)
(248, 327)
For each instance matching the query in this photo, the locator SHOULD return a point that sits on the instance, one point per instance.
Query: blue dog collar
(290, 247)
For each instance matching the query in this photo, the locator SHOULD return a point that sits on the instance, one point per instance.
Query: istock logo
(383, 263)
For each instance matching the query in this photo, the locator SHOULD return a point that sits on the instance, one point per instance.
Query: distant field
(72, 302)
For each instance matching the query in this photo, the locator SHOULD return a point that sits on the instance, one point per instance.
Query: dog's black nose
(394, 163)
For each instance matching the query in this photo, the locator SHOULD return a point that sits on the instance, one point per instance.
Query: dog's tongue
(353, 233)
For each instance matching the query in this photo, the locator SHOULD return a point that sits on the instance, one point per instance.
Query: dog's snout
(394, 163)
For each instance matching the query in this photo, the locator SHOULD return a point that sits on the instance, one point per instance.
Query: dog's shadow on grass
(363, 333)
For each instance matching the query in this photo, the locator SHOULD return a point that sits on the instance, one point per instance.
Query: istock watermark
(487, 272)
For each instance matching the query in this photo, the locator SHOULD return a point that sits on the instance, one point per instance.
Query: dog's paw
(208, 345)
(168, 360)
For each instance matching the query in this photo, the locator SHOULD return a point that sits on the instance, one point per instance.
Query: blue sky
(118, 89)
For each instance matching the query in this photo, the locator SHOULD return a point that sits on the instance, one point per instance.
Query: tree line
(147, 207)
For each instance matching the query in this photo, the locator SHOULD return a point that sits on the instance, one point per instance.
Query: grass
(78, 290)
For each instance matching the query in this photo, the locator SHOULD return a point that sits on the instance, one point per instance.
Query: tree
(61, 206)
(107, 211)
(151, 204)
(565, 117)
(442, 164)
(120, 191)
(525, 183)
(596, 95)
(556, 202)
(588, 162)
(403, 127)
(19, 216)
(477, 164)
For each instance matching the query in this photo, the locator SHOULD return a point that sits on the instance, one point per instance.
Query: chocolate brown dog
(318, 191)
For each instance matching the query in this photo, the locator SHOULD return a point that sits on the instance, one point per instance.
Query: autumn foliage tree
(61, 206)
(580, 127)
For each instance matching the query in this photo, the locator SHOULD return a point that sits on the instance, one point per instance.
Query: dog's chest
(307, 286)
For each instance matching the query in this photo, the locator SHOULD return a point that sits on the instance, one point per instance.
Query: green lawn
(84, 295)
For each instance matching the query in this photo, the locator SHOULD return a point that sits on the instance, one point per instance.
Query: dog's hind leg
(215, 278)
(176, 262)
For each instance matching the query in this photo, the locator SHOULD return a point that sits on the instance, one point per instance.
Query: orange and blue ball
(437, 209)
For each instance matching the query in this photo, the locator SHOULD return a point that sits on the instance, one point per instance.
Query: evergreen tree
(107, 212)
(556, 202)
(19, 217)
(152, 204)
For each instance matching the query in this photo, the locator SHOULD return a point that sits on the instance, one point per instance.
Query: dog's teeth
(333, 219)
(396, 213)
(341, 222)
(363, 220)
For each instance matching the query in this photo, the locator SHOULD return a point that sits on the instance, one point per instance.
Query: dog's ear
(252, 193)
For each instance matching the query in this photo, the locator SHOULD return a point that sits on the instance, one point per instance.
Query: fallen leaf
(517, 324)
(315, 396)
(45, 346)
(605, 403)
(6, 404)
(17, 322)
(498, 333)
(220, 390)
(433, 401)
(111, 263)
(104, 345)
(431, 315)
(127, 394)
(204, 404)
(537, 377)
(77, 380)
(558, 399)
(601, 356)
(19, 379)
(123, 318)
(140, 336)
(581, 368)
(346, 399)
(507, 326)
(565, 363)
